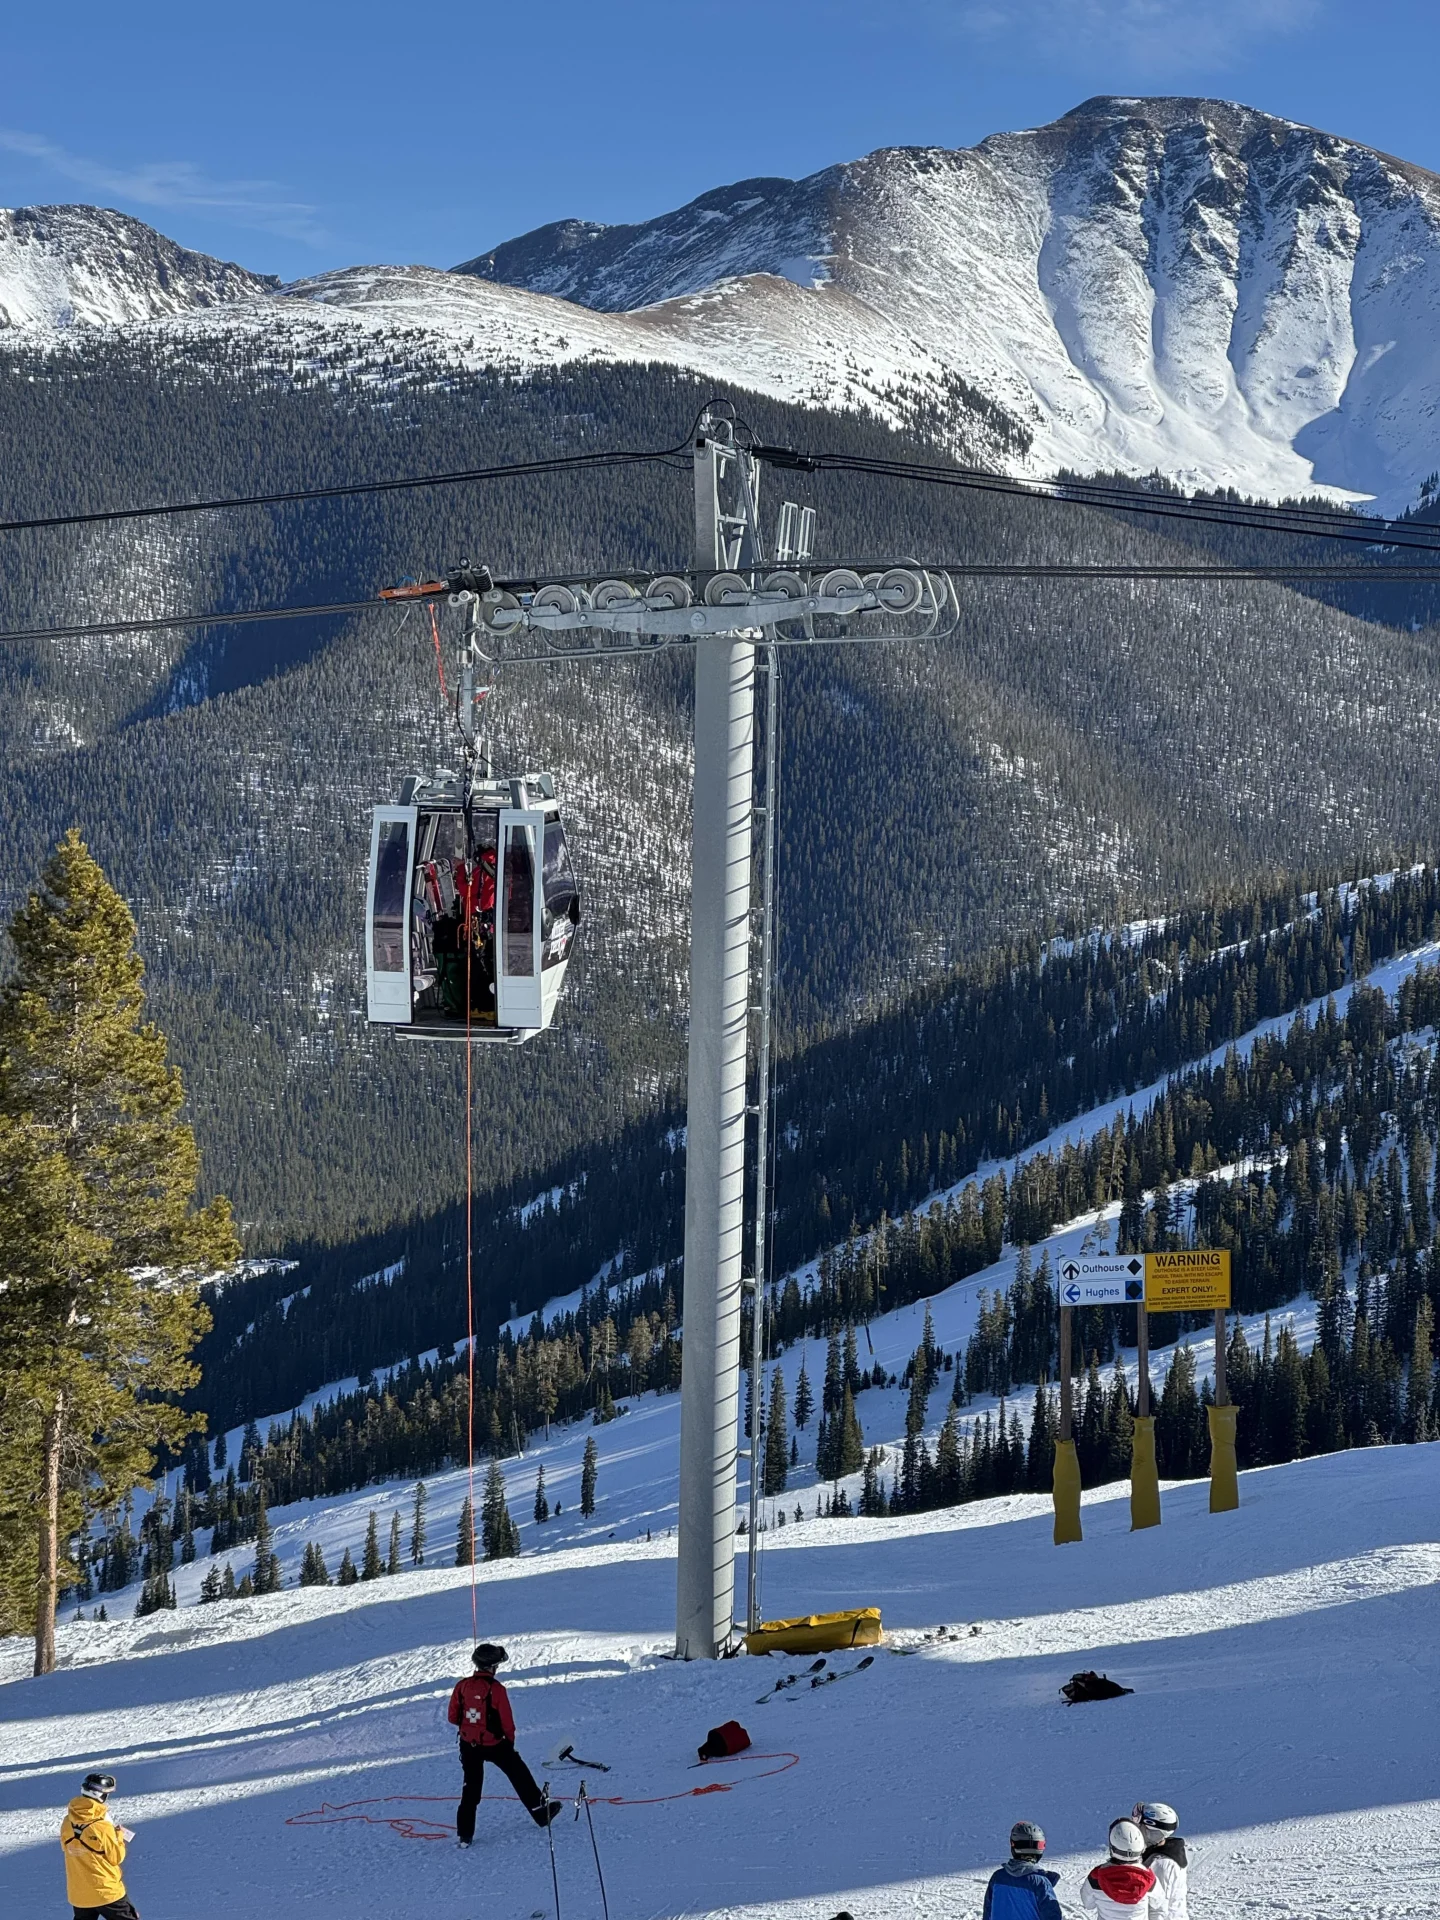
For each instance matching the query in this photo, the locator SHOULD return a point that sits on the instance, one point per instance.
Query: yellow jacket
(93, 1853)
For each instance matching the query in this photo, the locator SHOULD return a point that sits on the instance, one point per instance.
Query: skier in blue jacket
(1022, 1889)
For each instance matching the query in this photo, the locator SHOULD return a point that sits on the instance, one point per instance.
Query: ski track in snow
(1283, 1657)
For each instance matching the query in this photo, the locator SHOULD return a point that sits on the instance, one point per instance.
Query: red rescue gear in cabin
(475, 884)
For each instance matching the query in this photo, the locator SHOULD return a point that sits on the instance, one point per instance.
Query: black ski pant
(113, 1910)
(502, 1755)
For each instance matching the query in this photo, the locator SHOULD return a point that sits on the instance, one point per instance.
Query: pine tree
(228, 1588)
(371, 1565)
(210, 1587)
(850, 1445)
(392, 1560)
(349, 1573)
(589, 1472)
(1419, 1384)
(834, 1377)
(246, 1589)
(313, 1571)
(947, 1461)
(103, 1250)
(804, 1399)
(417, 1525)
(499, 1534)
(1040, 1453)
(777, 1454)
(465, 1536)
(267, 1576)
(542, 1505)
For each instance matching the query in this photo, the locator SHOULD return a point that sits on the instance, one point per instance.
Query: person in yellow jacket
(94, 1850)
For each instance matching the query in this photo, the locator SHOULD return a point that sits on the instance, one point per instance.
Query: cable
(559, 463)
(174, 621)
(1330, 523)
(1018, 570)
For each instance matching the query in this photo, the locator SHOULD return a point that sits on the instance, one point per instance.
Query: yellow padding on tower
(1224, 1475)
(818, 1632)
(1144, 1476)
(1067, 1493)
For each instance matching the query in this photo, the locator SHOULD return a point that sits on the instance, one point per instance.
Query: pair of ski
(817, 1677)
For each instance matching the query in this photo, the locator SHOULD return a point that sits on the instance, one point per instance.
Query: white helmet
(1155, 1820)
(1127, 1843)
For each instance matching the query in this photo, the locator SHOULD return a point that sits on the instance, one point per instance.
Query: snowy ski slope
(294, 1746)
(292, 1754)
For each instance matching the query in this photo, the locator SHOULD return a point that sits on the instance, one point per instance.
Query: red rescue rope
(469, 1259)
(419, 1826)
(439, 656)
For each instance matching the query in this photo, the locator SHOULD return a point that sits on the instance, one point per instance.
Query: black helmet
(1027, 1841)
(98, 1786)
(486, 1655)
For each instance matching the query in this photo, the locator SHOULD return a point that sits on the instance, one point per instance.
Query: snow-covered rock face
(1180, 285)
(87, 266)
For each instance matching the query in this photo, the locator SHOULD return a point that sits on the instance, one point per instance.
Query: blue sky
(309, 135)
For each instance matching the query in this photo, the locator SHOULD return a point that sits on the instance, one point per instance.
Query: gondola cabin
(470, 913)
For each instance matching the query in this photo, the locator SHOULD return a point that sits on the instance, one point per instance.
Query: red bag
(725, 1740)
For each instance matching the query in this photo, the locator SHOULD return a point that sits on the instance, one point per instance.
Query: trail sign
(1101, 1280)
(1187, 1282)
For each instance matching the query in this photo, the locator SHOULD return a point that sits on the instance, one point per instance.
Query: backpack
(1092, 1686)
(723, 1741)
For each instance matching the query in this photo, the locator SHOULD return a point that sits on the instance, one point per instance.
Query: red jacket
(480, 1708)
(1118, 1891)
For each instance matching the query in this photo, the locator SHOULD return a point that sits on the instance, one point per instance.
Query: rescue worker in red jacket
(480, 1708)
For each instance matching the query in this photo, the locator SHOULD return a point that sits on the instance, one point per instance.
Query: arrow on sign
(1070, 1271)
(1071, 1294)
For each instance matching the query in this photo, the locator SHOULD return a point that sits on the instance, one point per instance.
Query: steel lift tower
(731, 610)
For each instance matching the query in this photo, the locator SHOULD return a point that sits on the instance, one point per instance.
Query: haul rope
(418, 1826)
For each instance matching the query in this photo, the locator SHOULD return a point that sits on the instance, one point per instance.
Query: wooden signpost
(1188, 1281)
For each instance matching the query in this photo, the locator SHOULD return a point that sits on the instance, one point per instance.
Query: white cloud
(1156, 39)
(171, 184)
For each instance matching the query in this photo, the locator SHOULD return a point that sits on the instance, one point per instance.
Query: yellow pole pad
(1224, 1474)
(1067, 1493)
(1144, 1476)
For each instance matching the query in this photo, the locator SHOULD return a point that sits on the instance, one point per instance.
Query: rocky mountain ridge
(64, 267)
(1179, 285)
(1171, 285)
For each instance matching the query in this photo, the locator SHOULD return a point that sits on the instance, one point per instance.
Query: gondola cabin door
(520, 911)
(387, 915)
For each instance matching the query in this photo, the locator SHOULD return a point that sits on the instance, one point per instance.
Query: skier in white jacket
(1123, 1887)
(1165, 1855)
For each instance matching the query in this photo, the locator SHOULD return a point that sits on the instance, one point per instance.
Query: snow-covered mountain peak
(89, 266)
(1183, 285)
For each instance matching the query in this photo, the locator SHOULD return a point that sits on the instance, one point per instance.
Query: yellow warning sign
(1187, 1282)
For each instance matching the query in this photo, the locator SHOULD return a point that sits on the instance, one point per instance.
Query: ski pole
(584, 1801)
(550, 1836)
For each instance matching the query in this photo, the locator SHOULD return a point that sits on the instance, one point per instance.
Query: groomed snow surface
(290, 1753)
